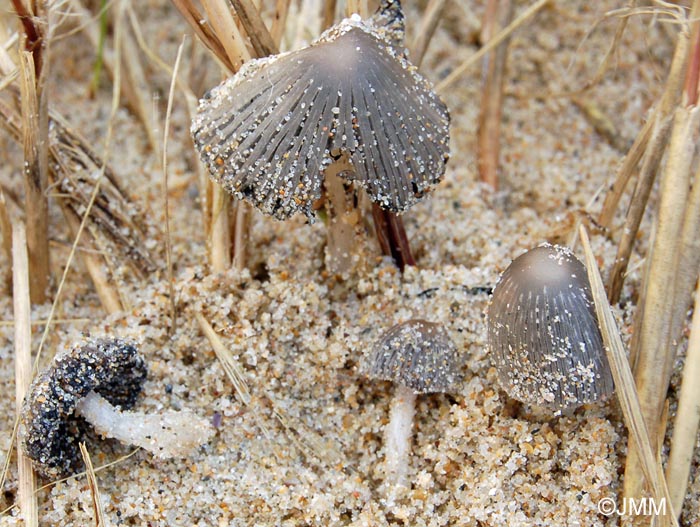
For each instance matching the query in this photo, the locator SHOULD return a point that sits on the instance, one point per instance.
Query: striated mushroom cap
(111, 367)
(417, 354)
(543, 332)
(268, 133)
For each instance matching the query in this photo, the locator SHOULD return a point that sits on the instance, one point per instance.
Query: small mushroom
(543, 332)
(88, 384)
(268, 133)
(419, 357)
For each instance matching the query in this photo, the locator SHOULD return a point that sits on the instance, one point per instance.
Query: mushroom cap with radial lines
(267, 133)
(417, 354)
(111, 367)
(543, 332)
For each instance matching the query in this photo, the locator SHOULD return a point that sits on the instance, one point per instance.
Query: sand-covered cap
(543, 332)
(417, 354)
(111, 367)
(267, 133)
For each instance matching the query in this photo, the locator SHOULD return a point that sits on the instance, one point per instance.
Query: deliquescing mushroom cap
(417, 354)
(111, 367)
(543, 333)
(267, 133)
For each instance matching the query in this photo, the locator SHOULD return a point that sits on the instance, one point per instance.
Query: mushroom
(543, 332)
(89, 384)
(351, 98)
(419, 357)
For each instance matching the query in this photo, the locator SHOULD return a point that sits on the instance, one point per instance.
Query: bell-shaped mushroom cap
(109, 366)
(267, 133)
(543, 332)
(417, 354)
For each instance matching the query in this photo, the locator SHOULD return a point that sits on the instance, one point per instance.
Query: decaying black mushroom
(89, 384)
(543, 332)
(419, 357)
(268, 133)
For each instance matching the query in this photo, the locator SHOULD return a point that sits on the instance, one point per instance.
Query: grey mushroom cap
(543, 333)
(111, 367)
(417, 354)
(268, 133)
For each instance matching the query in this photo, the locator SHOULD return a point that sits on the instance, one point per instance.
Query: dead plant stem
(23, 367)
(166, 204)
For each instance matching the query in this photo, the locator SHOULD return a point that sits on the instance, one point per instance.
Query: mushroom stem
(343, 219)
(169, 434)
(398, 433)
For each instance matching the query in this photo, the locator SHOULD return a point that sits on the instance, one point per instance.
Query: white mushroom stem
(170, 434)
(397, 436)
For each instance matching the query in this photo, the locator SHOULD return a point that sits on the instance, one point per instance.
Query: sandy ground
(308, 449)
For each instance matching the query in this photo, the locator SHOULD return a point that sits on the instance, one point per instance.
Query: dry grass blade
(226, 29)
(93, 196)
(79, 475)
(166, 132)
(650, 164)
(72, 169)
(54, 321)
(260, 38)
(685, 431)
(6, 232)
(624, 381)
(204, 31)
(94, 489)
(648, 139)
(280, 20)
(495, 41)
(136, 90)
(431, 17)
(328, 13)
(23, 367)
(498, 14)
(655, 352)
(625, 173)
(35, 140)
(228, 361)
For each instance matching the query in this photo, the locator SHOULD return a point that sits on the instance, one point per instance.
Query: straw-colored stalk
(260, 38)
(655, 354)
(279, 21)
(94, 489)
(6, 232)
(498, 14)
(226, 30)
(625, 387)
(426, 30)
(685, 431)
(166, 201)
(23, 367)
(228, 361)
(356, 6)
(645, 181)
(35, 131)
(649, 147)
(223, 207)
(328, 13)
(204, 31)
